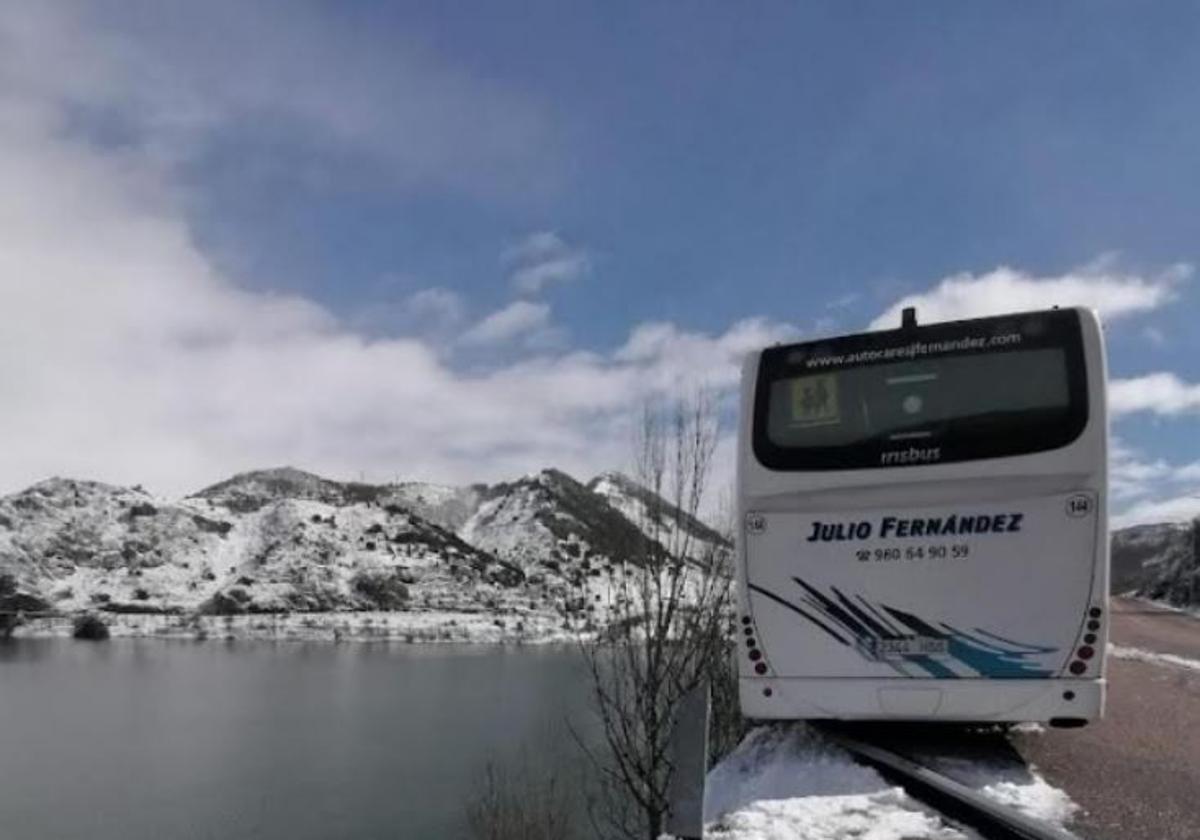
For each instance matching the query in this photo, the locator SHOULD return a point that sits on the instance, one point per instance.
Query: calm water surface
(137, 739)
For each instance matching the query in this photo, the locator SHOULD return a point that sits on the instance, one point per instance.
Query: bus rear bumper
(983, 700)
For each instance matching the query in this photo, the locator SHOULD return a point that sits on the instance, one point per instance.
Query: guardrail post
(689, 765)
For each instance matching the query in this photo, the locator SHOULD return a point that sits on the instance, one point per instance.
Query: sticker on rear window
(815, 400)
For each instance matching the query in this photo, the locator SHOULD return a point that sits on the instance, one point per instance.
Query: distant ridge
(537, 549)
(1161, 562)
(251, 490)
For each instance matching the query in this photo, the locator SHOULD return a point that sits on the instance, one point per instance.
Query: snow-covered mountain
(1158, 561)
(675, 529)
(284, 540)
(550, 518)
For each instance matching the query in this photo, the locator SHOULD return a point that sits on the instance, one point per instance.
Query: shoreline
(330, 627)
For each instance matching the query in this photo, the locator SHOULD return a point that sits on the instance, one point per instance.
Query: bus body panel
(1010, 614)
(984, 701)
(992, 590)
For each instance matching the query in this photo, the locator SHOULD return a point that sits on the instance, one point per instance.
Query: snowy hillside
(537, 552)
(674, 529)
(1158, 561)
(550, 517)
(449, 507)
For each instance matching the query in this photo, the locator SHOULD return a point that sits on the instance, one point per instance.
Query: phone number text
(958, 551)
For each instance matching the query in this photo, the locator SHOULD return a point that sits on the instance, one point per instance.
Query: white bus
(924, 532)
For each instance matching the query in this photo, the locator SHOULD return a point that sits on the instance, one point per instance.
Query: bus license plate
(910, 646)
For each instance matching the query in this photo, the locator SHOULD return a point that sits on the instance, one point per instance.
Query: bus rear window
(822, 410)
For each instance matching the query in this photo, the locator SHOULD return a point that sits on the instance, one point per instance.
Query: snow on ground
(1153, 658)
(786, 782)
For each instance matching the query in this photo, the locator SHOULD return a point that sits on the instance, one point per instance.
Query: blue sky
(370, 239)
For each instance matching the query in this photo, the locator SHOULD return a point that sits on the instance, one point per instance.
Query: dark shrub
(91, 628)
(232, 602)
(22, 602)
(381, 590)
(212, 526)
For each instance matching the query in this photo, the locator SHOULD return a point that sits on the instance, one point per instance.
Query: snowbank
(787, 782)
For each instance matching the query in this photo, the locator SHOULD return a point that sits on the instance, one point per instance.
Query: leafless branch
(668, 620)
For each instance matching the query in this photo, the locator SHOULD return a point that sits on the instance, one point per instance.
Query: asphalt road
(1136, 773)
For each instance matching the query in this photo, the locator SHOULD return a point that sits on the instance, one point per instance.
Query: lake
(137, 739)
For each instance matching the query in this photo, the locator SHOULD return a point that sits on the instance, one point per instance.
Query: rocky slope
(681, 533)
(1158, 561)
(282, 540)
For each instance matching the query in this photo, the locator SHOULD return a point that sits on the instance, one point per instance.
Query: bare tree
(668, 621)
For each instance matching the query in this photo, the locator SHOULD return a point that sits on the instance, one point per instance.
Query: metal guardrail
(952, 798)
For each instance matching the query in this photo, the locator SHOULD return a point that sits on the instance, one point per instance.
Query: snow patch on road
(1153, 658)
(785, 782)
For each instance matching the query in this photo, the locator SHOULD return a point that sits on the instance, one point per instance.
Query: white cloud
(1147, 491)
(1173, 509)
(1188, 472)
(683, 361)
(348, 98)
(532, 279)
(1159, 393)
(434, 316)
(1155, 336)
(544, 258)
(1131, 476)
(520, 318)
(126, 356)
(441, 305)
(825, 326)
(537, 246)
(1004, 289)
(844, 301)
